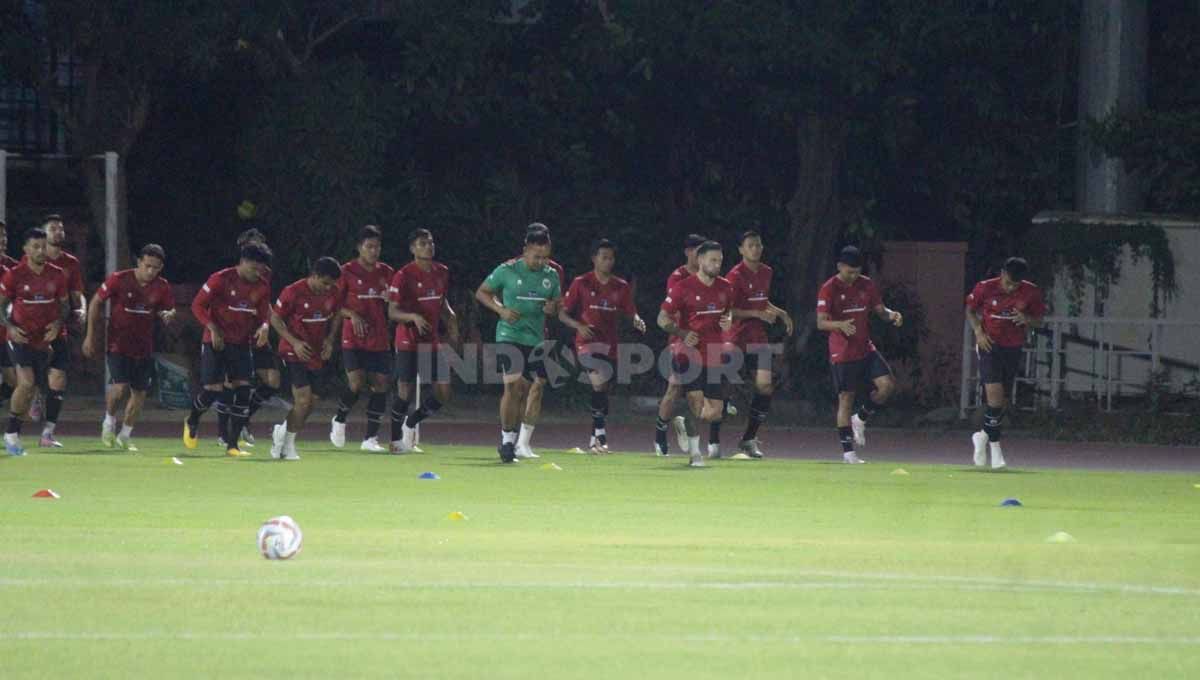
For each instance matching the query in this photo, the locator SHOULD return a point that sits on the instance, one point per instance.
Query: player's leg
(356, 380)
(221, 406)
(24, 360)
(212, 381)
(406, 377)
(266, 383)
(8, 372)
(378, 384)
(845, 433)
(140, 378)
(666, 413)
(56, 389)
(600, 381)
(694, 395)
(760, 406)
(512, 404)
(439, 395)
(239, 367)
(875, 370)
(115, 393)
(533, 412)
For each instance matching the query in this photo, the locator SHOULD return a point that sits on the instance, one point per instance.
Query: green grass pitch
(613, 567)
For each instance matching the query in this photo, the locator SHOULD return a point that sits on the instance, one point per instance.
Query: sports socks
(261, 395)
(599, 416)
(760, 406)
(376, 406)
(399, 413)
(346, 401)
(992, 418)
(660, 433)
(204, 399)
(846, 437)
(429, 407)
(239, 414)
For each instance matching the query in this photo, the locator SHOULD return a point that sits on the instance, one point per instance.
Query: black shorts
(529, 361)
(1000, 365)
(58, 355)
(264, 358)
(849, 376)
(706, 380)
(427, 364)
(234, 362)
(300, 374)
(5, 357)
(137, 372)
(366, 360)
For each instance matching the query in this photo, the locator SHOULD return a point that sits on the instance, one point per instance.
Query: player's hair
(251, 235)
(327, 267)
(749, 233)
(536, 227)
(52, 217)
(33, 233)
(850, 256)
(1016, 267)
(707, 247)
(602, 243)
(537, 238)
(418, 234)
(256, 252)
(694, 240)
(153, 250)
(370, 231)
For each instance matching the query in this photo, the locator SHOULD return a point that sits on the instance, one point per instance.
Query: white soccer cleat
(247, 439)
(852, 458)
(980, 440)
(108, 436)
(750, 448)
(398, 447)
(696, 460)
(681, 434)
(409, 437)
(125, 444)
(372, 444)
(714, 450)
(859, 426)
(661, 450)
(289, 451)
(337, 433)
(997, 456)
(277, 440)
(525, 452)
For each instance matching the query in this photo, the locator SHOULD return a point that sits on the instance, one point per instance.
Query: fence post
(1055, 371)
(965, 390)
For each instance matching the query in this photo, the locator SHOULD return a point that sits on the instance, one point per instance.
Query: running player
(537, 390)
(592, 306)
(138, 297)
(305, 317)
(38, 293)
(666, 406)
(702, 304)
(522, 293)
(752, 314)
(234, 308)
(6, 365)
(366, 338)
(1000, 310)
(417, 303)
(844, 305)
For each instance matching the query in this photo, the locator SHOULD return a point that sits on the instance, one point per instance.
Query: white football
(279, 538)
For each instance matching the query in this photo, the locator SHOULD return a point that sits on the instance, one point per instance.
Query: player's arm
(451, 320)
(890, 315)
(91, 334)
(395, 313)
(263, 335)
(331, 335)
(486, 296)
(584, 330)
(14, 331)
(301, 348)
(64, 313)
(1031, 316)
(202, 310)
(845, 326)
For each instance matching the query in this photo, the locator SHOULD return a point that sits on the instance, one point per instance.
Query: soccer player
(701, 303)
(38, 293)
(6, 365)
(592, 306)
(522, 293)
(1000, 310)
(666, 406)
(234, 308)
(537, 389)
(305, 317)
(366, 338)
(138, 297)
(752, 314)
(417, 303)
(844, 305)
(56, 236)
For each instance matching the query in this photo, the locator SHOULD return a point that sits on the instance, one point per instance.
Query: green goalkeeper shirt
(526, 292)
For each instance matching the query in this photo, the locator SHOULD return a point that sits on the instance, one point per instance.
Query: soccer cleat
(290, 453)
(108, 438)
(750, 448)
(221, 443)
(730, 408)
(859, 426)
(125, 444)
(661, 450)
(980, 440)
(372, 445)
(408, 438)
(596, 448)
(714, 450)
(524, 452)
(247, 439)
(397, 447)
(507, 453)
(237, 453)
(277, 437)
(12, 444)
(337, 433)
(189, 436)
(681, 434)
(49, 442)
(852, 458)
(696, 460)
(997, 456)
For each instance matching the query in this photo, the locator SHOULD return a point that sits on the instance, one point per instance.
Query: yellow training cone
(900, 472)
(456, 516)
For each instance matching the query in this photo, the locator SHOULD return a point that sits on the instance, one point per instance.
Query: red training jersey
(849, 301)
(307, 315)
(36, 299)
(236, 306)
(750, 291)
(599, 305)
(996, 308)
(133, 310)
(6, 263)
(418, 291)
(69, 264)
(674, 278)
(700, 308)
(365, 291)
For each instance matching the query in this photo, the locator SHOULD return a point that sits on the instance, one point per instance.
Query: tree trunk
(816, 216)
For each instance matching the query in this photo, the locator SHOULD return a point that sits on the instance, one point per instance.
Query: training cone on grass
(456, 516)
(900, 472)
(1010, 503)
(175, 460)
(1060, 537)
(428, 475)
(740, 456)
(551, 466)
(46, 493)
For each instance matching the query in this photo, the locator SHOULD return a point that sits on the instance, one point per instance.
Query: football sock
(376, 406)
(346, 401)
(760, 406)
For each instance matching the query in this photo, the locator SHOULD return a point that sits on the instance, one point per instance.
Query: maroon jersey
(6, 263)
(750, 291)
(134, 308)
(676, 276)
(366, 292)
(997, 309)
(599, 305)
(307, 316)
(36, 299)
(422, 292)
(236, 306)
(700, 308)
(69, 264)
(854, 301)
